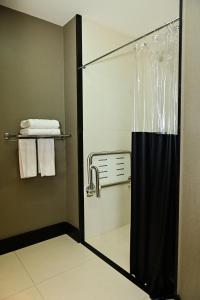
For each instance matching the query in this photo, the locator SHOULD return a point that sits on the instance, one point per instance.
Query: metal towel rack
(109, 172)
(16, 137)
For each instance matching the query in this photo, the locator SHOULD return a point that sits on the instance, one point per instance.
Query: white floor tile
(94, 280)
(49, 258)
(13, 277)
(115, 245)
(30, 294)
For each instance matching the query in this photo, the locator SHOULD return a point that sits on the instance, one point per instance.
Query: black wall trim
(176, 297)
(72, 231)
(80, 122)
(37, 236)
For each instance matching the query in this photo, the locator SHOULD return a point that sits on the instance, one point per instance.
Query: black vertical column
(79, 74)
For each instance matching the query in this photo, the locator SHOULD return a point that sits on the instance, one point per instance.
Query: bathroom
(85, 220)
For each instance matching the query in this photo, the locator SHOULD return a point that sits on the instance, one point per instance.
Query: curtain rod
(127, 44)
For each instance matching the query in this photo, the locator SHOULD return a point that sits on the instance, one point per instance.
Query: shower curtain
(155, 163)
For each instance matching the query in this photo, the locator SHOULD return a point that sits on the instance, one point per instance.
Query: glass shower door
(107, 117)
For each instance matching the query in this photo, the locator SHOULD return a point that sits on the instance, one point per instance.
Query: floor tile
(115, 245)
(49, 258)
(13, 277)
(30, 294)
(94, 280)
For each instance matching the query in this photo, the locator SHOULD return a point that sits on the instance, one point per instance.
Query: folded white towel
(27, 158)
(30, 131)
(40, 124)
(46, 157)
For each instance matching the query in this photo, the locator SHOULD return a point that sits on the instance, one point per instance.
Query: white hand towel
(46, 157)
(30, 131)
(27, 158)
(40, 124)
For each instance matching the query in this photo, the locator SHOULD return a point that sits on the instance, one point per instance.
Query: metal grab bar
(92, 189)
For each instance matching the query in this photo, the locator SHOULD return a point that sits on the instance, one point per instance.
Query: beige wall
(70, 87)
(31, 86)
(189, 256)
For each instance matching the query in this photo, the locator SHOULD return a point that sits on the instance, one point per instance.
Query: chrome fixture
(15, 137)
(92, 189)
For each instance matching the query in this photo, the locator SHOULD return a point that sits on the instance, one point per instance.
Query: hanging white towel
(27, 158)
(40, 123)
(30, 131)
(46, 157)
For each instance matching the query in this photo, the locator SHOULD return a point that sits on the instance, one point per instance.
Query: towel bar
(15, 137)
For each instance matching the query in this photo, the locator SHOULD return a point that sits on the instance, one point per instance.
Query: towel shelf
(15, 137)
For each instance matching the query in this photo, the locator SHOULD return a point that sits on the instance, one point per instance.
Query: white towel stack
(40, 124)
(40, 127)
(45, 147)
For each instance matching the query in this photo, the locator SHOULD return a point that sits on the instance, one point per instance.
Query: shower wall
(189, 254)
(107, 106)
(32, 86)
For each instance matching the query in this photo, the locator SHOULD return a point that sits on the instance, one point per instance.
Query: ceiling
(132, 17)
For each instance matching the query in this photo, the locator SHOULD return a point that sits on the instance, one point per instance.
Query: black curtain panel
(155, 189)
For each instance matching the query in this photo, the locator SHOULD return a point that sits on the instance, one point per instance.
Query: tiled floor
(114, 244)
(61, 269)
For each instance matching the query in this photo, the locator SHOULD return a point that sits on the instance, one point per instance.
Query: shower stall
(131, 151)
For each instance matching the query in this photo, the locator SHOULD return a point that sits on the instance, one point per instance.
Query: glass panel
(108, 107)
